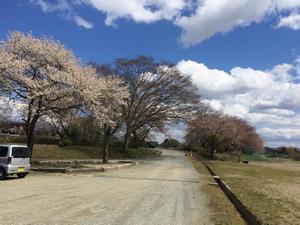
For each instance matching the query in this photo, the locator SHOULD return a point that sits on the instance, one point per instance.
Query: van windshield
(20, 152)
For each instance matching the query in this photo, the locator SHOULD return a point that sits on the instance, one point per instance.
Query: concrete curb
(246, 214)
(84, 170)
(49, 170)
(66, 161)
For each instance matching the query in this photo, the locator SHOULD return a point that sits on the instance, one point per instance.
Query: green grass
(255, 157)
(87, 152)
(271, 190)
(23, 139)
(222, 211)
(234, 157)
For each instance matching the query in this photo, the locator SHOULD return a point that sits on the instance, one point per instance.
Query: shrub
(171, 143)
(46, 140)
(23, 140)
(296, 156)
(65, 143)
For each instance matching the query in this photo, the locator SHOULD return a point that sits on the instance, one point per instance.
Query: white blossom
(47, 78)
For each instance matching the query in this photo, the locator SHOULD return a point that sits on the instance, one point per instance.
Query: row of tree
(217, 132)
(46, 81)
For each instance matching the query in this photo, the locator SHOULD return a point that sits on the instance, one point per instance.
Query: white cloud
(174, 131)
(66, 9)
(285, 133)
(268, 99)
(282, 72)
(199, 20)
(219, 81)
(146, 11)
(59, 5)
(280, 112)
(82, 22)
(292, 21)
(286, 4)
(220, 16)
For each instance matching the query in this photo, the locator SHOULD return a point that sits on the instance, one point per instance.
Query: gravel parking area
(162, 191)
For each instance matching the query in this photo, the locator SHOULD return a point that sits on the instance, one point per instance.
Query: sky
(242, 55)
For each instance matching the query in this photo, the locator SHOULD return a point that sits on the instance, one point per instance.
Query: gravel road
(162, 191)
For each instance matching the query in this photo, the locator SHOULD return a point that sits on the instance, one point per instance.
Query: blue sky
(160, 40)
(231, 49)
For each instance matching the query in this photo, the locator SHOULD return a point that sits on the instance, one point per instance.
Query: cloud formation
(82, 22)
(268, 99)
(140, 11)
(65, 8)
(199, 20)
(220, 16)
(292, 21)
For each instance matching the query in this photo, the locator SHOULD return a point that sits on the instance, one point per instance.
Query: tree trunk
(30, 127)
(107, 134)
(105, 149)
(126, 142)
(212, 151)
(30, 141)
(135, 144)
(239, 156)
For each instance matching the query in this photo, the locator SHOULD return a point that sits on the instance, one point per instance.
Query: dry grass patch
(270, 190)
(222, 210)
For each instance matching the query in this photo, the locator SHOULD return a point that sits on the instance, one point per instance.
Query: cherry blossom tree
(46, 78)
(5, 110)
(206, 130)
(105, 105)
(240, 135)
(215, 131)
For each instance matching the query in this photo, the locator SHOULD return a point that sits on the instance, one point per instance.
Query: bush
(255, 157)
(22, 140)
(13, 139)
(296, 155)
(171, 143)
(226, 156)
(114, 143)
(201, 151)
(46, 140)
(65, 143)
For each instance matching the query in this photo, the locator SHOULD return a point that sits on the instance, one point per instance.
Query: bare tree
(145, 131)
(158, 92)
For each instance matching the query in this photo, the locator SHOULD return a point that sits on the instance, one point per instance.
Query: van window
(20, 152)
(3, 151)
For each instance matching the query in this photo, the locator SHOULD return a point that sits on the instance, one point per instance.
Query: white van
(14, 159)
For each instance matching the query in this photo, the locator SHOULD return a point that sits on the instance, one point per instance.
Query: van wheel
(21, 175)
(3, 174)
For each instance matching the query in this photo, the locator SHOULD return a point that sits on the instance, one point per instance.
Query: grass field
(271, 190)
(248, 157)
(222, 211)
(87, 152)
(255, 157)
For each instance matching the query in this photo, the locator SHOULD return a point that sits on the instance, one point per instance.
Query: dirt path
(164, 191)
